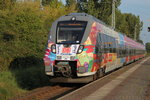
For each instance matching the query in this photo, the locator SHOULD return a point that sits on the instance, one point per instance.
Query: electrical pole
(135, 32)
(113, 24)
(41, 6)
(113, 19)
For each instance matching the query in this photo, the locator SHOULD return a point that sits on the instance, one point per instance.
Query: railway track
(48, 92)
(56, 91)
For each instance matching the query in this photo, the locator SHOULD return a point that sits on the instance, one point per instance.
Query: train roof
(90, 19)
(90, 16)
(133, 42)
(78, 17)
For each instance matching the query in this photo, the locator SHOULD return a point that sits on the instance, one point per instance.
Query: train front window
(70, 31)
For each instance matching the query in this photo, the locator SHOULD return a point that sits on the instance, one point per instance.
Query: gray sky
(140, 8)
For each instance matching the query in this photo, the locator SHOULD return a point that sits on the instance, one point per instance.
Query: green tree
(127, 23)
(82, 5)
(148, 47)
(91, 8)
(100, 9)
(71, 5)
(24, 30)
(5, 4)
(46, 2)
(70, 2)
(121, 23)
(140, 41)
(134, 25)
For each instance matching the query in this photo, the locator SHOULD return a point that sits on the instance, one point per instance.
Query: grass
(9, 86)
(30, 78)
(148, 54)
(19, 81)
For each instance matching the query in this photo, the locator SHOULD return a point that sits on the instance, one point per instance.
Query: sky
(139, 8)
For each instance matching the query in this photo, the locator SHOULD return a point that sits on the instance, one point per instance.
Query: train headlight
(53, 48)
(81, 47)
(73, 18)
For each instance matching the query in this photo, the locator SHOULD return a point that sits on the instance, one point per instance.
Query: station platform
(132, 82)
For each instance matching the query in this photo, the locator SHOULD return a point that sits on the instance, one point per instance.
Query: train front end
(69, 53)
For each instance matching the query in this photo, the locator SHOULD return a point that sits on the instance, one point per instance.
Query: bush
(8, 86)
(23, 35)
(30, 78)
(24, 30)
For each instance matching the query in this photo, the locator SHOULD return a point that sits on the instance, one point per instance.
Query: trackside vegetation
(148, 48)
(24, 28)
(8, 86)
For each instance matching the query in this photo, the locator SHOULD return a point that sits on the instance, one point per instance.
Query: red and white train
(81, 49)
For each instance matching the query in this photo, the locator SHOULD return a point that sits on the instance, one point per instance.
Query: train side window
(120, 50)
(126, 50)
(114, 45)
(107, 46)
(109, 43)
(130, 51)
(99, 38)
(136, 51)
(105, 43)
(99, 43)
(102, 42)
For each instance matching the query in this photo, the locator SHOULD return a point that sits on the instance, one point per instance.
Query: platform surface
(131, 82)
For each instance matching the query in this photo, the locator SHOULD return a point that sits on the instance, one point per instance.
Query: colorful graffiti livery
(81, 49)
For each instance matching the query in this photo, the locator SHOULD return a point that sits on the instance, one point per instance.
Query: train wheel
(95, 76)
(101, 72)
